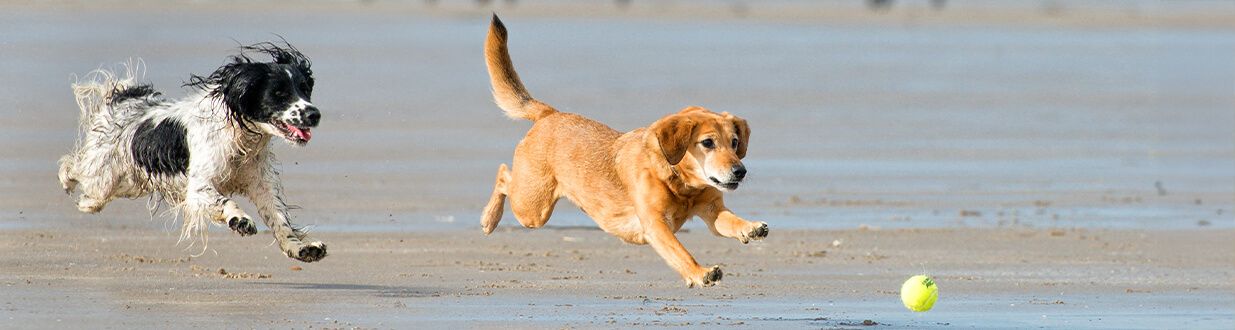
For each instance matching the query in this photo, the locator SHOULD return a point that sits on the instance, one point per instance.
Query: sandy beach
(1052, 164)
(113, 277)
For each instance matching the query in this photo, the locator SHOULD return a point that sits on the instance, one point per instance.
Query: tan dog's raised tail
(640, 186)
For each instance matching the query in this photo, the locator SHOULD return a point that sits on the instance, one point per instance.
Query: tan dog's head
(707, 146)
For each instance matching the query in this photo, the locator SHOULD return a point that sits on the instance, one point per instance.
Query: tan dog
(640, 186)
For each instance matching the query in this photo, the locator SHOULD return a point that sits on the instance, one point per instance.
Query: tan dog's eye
(708, 143)
(735, 143)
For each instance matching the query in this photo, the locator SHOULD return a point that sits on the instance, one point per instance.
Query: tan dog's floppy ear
(743, 131)
(673, 136)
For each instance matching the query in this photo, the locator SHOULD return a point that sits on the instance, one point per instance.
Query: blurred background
(865, 114)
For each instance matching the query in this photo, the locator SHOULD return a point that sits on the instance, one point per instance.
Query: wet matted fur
(195, 153)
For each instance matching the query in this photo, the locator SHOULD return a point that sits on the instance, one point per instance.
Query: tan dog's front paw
(705, 278)
(757, 231)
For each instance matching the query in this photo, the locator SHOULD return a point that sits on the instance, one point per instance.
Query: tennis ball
(919, 293)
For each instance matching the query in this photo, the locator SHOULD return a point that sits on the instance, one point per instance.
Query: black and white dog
(196, 152)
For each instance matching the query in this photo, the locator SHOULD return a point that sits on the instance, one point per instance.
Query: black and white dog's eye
(708, 143)
(735, 143)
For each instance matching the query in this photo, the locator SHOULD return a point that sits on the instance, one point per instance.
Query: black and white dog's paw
(309, 252)
(242, 225)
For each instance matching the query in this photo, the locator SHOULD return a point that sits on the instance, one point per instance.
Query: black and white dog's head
(275, 97)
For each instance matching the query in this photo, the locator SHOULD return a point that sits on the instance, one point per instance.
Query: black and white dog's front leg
(204, 201)
(267, 194)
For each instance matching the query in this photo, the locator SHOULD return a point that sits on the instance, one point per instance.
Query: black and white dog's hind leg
(267, 193)
(99, 163)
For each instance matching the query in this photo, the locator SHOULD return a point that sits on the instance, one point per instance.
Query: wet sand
(118, 277)
(1050, 169)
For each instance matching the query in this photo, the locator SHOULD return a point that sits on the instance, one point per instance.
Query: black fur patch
(133, 92)
(161, 149)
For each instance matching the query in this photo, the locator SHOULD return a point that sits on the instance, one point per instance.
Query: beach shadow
(384, 291)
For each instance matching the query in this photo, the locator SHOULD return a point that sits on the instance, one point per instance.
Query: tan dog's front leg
(723, 222)
(656, 232)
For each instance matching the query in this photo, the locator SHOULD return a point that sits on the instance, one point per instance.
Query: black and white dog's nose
(739, 172)
(310, 116)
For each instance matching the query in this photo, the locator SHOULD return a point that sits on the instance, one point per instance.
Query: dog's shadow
(384, 291)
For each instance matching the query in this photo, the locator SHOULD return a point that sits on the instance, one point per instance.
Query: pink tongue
(302, 134)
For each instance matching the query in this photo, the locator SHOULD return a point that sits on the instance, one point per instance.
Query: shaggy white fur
(219, 156)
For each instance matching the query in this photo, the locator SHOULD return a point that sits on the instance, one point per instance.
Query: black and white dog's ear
(239, 86)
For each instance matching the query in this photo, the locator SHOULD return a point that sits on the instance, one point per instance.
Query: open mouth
(726, 185)
(296, 134)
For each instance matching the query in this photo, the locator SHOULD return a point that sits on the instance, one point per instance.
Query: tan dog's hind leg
(531, 190)
(723, 222)
(493, 212)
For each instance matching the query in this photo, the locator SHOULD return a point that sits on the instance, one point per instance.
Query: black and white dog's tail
(103, 94)
(109, 101)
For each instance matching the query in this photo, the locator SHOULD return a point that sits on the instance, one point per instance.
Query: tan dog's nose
(739, 171)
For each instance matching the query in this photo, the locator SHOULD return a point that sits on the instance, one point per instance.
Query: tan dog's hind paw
(707, 278)
(758, 231)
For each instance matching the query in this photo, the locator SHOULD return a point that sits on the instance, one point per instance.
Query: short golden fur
(640, 186)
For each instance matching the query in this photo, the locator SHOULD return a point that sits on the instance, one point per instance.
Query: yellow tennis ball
(919, 293)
